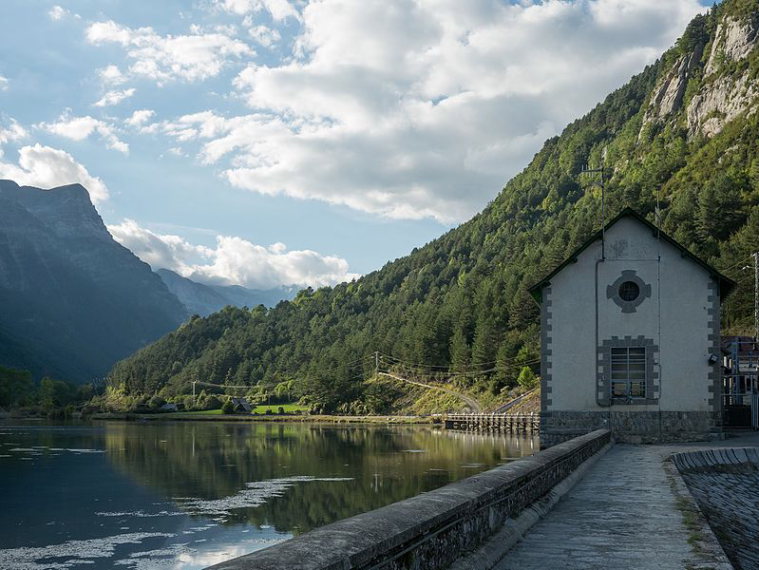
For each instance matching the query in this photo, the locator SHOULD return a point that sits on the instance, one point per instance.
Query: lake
(186, 495)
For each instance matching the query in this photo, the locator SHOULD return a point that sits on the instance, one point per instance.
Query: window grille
(628, 372)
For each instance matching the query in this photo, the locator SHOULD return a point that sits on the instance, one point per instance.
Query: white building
(630, 338)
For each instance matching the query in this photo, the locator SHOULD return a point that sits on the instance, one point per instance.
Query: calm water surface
(187, 495)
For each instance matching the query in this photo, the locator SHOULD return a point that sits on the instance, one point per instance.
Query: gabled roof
(726, 285)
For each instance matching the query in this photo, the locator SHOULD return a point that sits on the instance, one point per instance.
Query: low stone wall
(627, 426)
(725, 484)
(433, 529)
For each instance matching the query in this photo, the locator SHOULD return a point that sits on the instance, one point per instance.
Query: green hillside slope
(683, 134)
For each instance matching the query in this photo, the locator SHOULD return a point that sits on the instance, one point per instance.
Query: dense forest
(679, 143)
(48, 397)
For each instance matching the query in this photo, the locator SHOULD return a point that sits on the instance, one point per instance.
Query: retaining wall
(628, 426)
(725, 484)
(431, 530)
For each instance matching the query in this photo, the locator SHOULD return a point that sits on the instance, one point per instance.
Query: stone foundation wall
(431, 530)
(627, 426)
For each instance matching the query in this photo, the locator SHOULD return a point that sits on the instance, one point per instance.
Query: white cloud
(12, 132)
(79, 128)
(265, 36)
(47, 167)
(3, 83)
(114, 97)
(279, 9)
(413, 109)
(165, 58)
(57, 13)
(234, 261)
(140, 117)
(112, 75)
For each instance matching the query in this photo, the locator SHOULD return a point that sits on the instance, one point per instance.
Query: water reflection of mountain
(384, 464)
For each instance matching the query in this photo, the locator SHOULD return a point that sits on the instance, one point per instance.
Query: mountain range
(200, 299)
(73, 300)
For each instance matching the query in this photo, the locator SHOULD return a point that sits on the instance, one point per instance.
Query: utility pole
(193, 388)
(601, 171)
(376, 362)
(756, 295)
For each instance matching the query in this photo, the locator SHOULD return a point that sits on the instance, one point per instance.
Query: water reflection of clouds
(180, 556)
(255, 494)
(140, 514)
(72, 553)
(384, 465)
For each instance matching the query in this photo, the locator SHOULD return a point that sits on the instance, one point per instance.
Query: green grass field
(288, 408)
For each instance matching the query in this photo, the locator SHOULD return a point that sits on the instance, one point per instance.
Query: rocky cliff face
(73, 300)
(724, 96)
(721, 71)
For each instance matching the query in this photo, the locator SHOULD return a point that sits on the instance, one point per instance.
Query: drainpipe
(599, 401)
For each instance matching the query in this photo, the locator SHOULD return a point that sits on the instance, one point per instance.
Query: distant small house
(241, 405)
(169, 407)
(630, 338)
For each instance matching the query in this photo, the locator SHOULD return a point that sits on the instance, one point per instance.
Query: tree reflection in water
(329, 471)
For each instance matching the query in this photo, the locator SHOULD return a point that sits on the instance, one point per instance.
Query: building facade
(630, 338)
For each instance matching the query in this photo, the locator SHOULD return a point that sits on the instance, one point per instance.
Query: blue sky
(280, 142)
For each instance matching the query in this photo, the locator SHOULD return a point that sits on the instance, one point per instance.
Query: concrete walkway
(627, 512)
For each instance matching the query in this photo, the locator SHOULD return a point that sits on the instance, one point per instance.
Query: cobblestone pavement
(624, 513)
(730, 501)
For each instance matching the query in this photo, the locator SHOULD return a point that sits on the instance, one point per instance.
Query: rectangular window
(628, 372)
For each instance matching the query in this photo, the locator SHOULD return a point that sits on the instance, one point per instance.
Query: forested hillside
(683, 134)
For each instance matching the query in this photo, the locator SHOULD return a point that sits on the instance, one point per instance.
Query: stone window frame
(612, 291)
(603, 373)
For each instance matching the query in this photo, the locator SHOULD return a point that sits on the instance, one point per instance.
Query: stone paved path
(622, 514)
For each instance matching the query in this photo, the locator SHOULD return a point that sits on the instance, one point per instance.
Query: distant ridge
(200, 299)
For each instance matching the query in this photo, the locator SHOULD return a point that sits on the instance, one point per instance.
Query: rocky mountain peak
(65, 210)
(73, 300)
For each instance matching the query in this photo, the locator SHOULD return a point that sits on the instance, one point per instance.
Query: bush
(281, 411)
(228, 407)
(156, 402)
(212, 403)
(527, 378)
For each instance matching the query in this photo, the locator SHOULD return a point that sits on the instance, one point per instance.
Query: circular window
(629, 291)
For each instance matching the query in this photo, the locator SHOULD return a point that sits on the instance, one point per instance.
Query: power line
(737, 263)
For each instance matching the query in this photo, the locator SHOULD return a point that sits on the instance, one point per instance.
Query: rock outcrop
(724, 96)
(668, 96)
(726, 87)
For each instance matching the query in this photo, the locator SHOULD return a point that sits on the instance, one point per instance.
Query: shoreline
(189, 417)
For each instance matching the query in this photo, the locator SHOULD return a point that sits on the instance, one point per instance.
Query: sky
(302, 142)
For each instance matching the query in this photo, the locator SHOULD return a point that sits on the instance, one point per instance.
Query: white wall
(680, 329)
